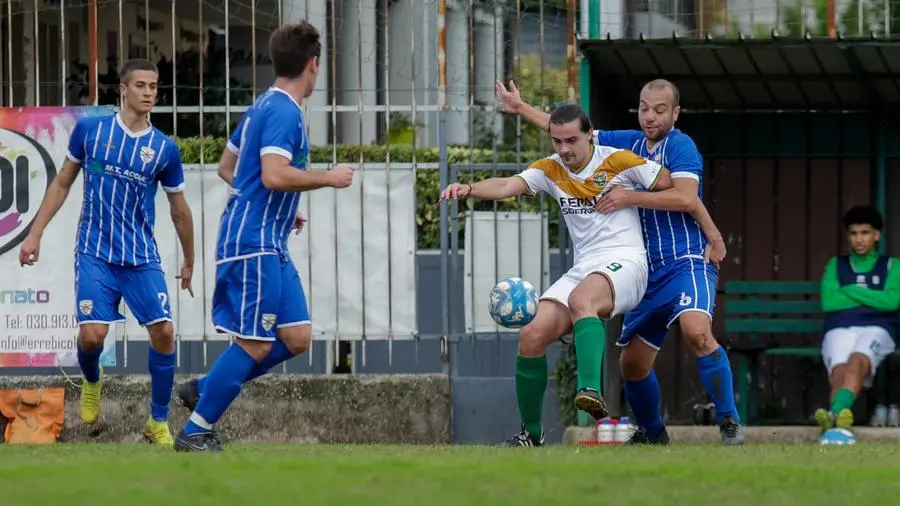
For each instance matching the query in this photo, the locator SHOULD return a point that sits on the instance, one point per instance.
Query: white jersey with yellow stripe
(577, 193)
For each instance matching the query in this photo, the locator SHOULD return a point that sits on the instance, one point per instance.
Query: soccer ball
(513, 303)
(837, 437)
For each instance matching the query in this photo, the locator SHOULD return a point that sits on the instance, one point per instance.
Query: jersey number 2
(163, 299)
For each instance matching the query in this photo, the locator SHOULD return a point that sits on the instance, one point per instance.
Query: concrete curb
(690, 434)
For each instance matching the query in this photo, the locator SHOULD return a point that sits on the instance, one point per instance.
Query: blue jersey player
(124, 159)
(258, 297)
(683, 262)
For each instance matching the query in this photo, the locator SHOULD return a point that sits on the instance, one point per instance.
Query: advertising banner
(37, 303)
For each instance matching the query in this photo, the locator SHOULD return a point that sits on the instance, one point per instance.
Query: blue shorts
(687, 285)
(100, 287)
(256, 296)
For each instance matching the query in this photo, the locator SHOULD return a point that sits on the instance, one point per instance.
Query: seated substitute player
(609, 274)
(860, 296)
(116, 254)
(258, 297)
(683, 258)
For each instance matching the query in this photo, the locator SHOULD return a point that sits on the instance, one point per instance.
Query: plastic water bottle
(624, 430)
(606, 431)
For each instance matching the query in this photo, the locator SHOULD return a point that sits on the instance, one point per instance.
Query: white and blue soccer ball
(837, 436)
(513, 303)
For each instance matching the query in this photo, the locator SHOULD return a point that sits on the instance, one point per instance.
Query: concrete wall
(399, 409)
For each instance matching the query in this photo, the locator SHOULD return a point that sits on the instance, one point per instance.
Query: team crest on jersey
(600, 178)
(147, 154)
(268, 321)
(86, 307)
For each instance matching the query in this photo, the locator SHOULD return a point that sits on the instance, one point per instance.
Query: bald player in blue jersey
(258, 297)
(683, 263)
(124, 160)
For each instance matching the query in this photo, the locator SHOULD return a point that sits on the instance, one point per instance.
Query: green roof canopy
(752, 75)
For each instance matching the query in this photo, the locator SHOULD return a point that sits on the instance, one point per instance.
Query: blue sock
(90, 363)
(162, 378)
(643, 397)
(715, 372)
(225, 380)
(279, 353)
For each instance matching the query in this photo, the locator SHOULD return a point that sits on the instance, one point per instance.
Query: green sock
(531, 383)
(590, 342)
(843, 399)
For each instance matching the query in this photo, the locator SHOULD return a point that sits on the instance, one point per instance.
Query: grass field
(124, 475)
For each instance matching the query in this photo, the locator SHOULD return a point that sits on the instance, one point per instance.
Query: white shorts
(626, 273)
(873, 342)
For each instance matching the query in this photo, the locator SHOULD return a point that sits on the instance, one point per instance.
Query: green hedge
(427, 181)
(353, 153)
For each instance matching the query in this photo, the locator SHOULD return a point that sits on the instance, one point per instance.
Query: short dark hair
(661, 84)
(863, 215)
(133, 65)
(291, 47)
(567, 113)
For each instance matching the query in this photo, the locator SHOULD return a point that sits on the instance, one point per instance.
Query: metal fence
(407, 93)
(411, 109)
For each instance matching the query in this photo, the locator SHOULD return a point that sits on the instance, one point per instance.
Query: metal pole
(832, 29)
(444, 174)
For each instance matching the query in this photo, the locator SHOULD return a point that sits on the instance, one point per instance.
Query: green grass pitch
(319, 475)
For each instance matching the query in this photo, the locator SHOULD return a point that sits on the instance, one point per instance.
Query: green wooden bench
(755, 314)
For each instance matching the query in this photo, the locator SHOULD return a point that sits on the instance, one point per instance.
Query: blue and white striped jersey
(121, 172)
(258, 220)
(669, 235)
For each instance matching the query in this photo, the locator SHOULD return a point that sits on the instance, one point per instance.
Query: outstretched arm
(511, 101)
(495, 188)
(528, 182)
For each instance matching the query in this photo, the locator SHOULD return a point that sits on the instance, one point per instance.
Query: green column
(881, 205)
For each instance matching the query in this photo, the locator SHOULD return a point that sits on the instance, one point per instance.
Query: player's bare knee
(533, 341)
(255, 348)
(91, 336)
(296, 338)
(636, 360)
(860, 364)
(633, 368)
(592, 297)
(700, 339)
(162, 336)
(837, 374)
(586, 305)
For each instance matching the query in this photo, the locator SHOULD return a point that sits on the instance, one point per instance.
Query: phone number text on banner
(38, 327)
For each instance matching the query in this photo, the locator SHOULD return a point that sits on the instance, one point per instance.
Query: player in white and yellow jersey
(609, 275)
